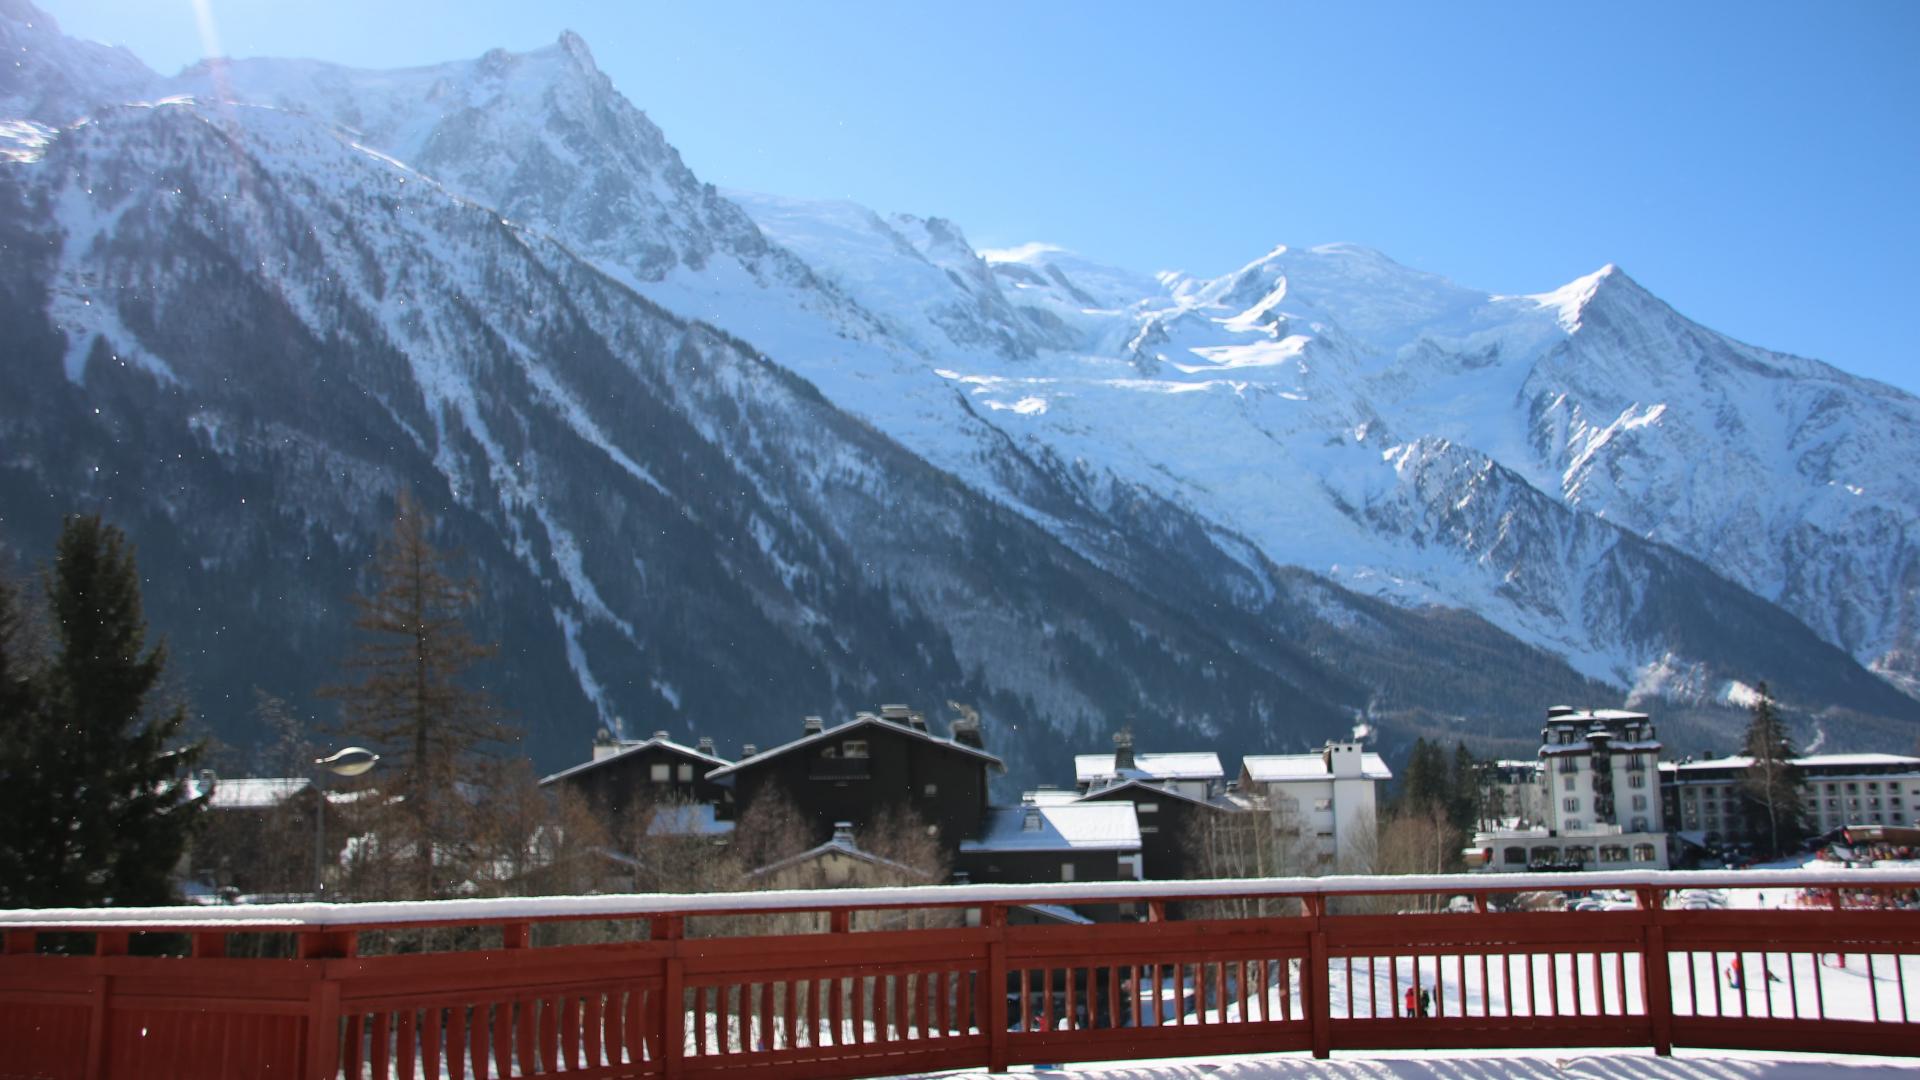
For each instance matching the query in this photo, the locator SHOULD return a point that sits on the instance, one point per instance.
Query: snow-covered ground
(1595, 1064)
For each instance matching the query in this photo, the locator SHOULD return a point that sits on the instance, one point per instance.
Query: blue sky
(1754, 164)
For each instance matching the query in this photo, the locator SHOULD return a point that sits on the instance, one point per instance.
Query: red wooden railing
(654, 997)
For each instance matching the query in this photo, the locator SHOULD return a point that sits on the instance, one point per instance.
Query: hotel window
(1569, 805)
(1637, 780)
(1639, 802)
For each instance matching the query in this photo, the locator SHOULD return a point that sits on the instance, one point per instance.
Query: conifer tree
(95, 807)
(410, 700)
(1771, 785)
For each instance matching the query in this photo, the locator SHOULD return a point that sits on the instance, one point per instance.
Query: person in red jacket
(1412, 1000)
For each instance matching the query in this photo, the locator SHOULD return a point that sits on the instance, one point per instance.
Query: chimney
(917, 722)
(813, 725)
(843, 833)
(1123, 750)
(966, 732)
(747, 750)
(661, 735)
(706, 745)
(604, 744)
(1031, 814)
(896, 713)
(1555, 712)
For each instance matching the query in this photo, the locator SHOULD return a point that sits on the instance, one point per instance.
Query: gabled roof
(630, 747)
(1145, 788)
(1204, 765)
(1080, 826)
(836, 846)
(249, 792)
(1270, 768)
(863, 720)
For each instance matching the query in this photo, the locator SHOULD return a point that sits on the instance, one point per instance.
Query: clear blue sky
(1755, 164)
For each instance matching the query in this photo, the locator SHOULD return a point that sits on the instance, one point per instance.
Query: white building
(1325, 798)
(1599, 785)
(1706, 805)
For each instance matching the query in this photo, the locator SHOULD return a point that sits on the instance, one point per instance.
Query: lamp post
(352, 761)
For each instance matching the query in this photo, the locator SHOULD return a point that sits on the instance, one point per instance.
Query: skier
(1412, 1001)
(1426, 1002)
(1733, 974)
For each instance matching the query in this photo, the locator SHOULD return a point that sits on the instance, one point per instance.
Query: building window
(1322, 805)
(1643, 853)
(1515, 856)
(1146, 808)
(661, 773)
(853, 748)
(1570, 805)
(1639, 802)
(1639, 824)
(1573, 826)
(1148, 830)
(1066, 871)
(686, 774)
(931, 790)
(1637, 780)
(1613, 853)
(1567, 782)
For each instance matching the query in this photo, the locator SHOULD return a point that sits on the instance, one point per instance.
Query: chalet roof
(249, 792)
(627, 747)
(1081, 826)
(1204, 765)
(837, 846)
(1278, 768)
(862, 720)
(1145, 788)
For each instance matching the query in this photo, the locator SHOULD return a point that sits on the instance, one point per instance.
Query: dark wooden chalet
(1170, 824)
(1054, 841)
(649, 772)
(875, 763)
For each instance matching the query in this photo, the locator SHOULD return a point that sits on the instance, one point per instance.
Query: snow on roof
(634, 747)
(1146, 787)
(1081, 826)
(1059, 912)
(1812, 761)
(1202, 765)
(1052, 797)
(249, 792)
(1272, 768)
(687, 819)
(862, 720)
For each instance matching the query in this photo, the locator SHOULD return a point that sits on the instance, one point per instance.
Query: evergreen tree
(1426, 786)
(1771, 785)
(94, 808)
(1463, 796)
(410, 701)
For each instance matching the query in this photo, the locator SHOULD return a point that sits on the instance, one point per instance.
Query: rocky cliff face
(721, 462)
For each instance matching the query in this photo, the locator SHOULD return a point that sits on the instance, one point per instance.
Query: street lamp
(352, 761)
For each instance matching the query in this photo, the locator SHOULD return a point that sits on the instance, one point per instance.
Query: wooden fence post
(673, 992)
(1655, 979)
(1313, 982)
(995, 921)
(323, 1028)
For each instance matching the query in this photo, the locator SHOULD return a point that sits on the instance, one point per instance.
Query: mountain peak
(1570, 301)
(575, 46)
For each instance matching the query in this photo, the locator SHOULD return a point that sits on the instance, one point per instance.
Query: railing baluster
(1873, 990)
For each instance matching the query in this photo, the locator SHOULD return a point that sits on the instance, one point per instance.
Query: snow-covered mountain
(726, 457)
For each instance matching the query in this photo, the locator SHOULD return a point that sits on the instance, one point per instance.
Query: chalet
(1169, 822)
(875, 764)
(839, 863)
(1195, 775)
(627, 774)
(1036, 841)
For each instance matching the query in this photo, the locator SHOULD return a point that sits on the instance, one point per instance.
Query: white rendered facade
(1599, 788)
(1327, 799)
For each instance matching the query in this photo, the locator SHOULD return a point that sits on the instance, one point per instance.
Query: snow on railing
(415, 912)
